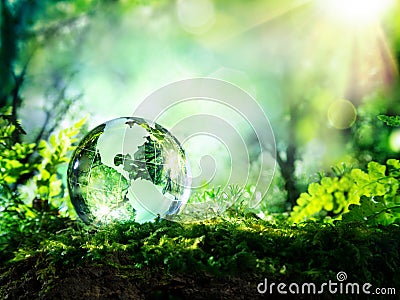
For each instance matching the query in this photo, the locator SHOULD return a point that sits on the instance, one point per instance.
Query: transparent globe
(128, 169)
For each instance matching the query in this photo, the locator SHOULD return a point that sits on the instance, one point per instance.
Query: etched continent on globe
(128, 169)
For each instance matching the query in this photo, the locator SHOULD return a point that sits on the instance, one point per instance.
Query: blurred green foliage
(54, 153)
(335, 197)
(390, 120)
(61, 76)
(13, 154)
(29, 205)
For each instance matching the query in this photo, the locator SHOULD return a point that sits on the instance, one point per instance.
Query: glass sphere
(128, 169)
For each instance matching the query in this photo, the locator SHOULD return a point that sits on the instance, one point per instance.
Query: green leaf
(43, 191)
(394, 167)
(395, 163)
(53, 140)
(393, 121)
(373, 211)
(45, 175)
(376, 170)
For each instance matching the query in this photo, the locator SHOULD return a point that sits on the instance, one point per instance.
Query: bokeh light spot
(196, 16)
(342, 114)
(394, 140)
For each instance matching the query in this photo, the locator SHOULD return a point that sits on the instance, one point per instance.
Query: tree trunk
(287, 164)
(8, 52)
(288, 169)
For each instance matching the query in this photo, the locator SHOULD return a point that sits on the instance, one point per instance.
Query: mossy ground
(223, 258)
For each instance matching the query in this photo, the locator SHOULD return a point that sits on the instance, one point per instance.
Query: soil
(26, 280)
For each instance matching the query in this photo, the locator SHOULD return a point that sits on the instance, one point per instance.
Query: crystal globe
(128, 169)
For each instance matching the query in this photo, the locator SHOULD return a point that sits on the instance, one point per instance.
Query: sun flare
(357, 11)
